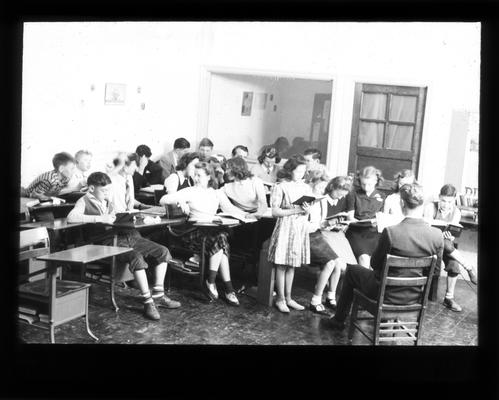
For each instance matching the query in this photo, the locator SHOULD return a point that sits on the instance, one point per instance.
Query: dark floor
(200, 322)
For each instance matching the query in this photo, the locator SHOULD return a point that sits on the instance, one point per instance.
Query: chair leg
(111, 285)
(353, 319)
(86, 321)
(52, 336)
(376, 328)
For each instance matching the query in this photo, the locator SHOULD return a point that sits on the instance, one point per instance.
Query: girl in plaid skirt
(289, 246)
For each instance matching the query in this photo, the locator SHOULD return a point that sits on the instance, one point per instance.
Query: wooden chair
(61, 300)
(407, 319)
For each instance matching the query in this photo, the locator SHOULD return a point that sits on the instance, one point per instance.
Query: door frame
(207, 71)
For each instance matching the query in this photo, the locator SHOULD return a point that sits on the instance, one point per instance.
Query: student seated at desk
(52, 182)
(184, 173)
(97, 206)
(78, 181)
(201, 202)
(266, 168)
(445, 210)
(148, 172)
(169, 161)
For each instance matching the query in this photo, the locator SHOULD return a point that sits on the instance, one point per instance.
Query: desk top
(55, 225)
(139, 223)
(85, 254)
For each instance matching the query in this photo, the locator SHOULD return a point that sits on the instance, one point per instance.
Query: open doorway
(257, 110)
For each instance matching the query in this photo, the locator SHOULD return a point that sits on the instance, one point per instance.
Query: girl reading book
(363, 203)
(289, 246)
(445, 210)
(201, 202)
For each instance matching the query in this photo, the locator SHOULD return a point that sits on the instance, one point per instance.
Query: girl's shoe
(281, 306)
(318, 309)
(211, 290)
(232, 299)
(331, 303)
(294, 305)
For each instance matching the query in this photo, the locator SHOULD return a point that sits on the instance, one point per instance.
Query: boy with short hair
(205, 149)
(78, 181)
(51, 183)
(313, 160)
(169, 161)
(97, 206)
(148, 172)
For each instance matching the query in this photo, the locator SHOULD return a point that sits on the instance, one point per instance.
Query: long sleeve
(77, 214)
(177, 197)
(379, 256)
(227, 206)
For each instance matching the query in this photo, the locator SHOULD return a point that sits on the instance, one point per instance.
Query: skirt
(363, 240)
(320, 250)
(216, 240)
(339, 243)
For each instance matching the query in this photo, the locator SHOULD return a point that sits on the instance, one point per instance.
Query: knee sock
(146, 297)
(158, 291)
(228, 287)
(331, 295)
(211, 276)
(316, 300)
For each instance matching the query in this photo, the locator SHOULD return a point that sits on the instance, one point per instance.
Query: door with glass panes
(386, 129)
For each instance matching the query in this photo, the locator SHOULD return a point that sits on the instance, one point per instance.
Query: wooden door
(319, 128)
(387, 128)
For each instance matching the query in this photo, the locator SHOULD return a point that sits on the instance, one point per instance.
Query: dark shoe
(333, 323)
(166, 302)
(319, 309)
(452, 305)
(232, 299)
(472, 275)
(151, 312)
(331, 304)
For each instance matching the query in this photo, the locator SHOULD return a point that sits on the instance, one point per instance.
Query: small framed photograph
(115, 93)
(247, 103)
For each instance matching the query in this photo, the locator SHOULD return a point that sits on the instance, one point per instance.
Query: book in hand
(453, 229)
(307, 199)
(124, 217)
(339, 217)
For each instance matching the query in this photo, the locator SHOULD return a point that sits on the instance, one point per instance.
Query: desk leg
(52, 295)
(113, 273)
(86, 319)
(266, 276)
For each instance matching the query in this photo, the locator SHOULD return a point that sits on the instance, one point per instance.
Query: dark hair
(367, 172)
(62, 159)
(208, 169)
(98, 179)
(185, 160)
(181, 143)
(131, 157)
(412, 195)
(289, 166)
(143, 150)
(238, 168)
(239, 146)
(270, 152)
(316, 153)
(205, 142)
(448, 190)
(405, 173)
(280, 142)
(338, 183)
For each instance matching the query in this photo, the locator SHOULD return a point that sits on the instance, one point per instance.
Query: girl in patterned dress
(289, 246)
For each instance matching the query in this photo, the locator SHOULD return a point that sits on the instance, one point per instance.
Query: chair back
(425, 264)
(30, 241)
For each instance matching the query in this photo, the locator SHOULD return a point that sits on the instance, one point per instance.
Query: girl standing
(289, 246)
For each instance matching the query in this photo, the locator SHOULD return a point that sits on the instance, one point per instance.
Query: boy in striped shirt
(51, 182)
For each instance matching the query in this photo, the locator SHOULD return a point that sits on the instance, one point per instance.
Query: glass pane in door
(373, 106)
(403, 108)
(370, 134)
(399, 137)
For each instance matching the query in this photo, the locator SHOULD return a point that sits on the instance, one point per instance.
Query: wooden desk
(72, 303)
(48, 211)
(56, 225)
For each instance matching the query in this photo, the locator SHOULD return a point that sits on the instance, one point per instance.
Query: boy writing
(96, 206)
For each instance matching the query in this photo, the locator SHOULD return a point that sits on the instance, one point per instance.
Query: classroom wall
(167, 60)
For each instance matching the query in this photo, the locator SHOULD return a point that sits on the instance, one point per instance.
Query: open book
(307, 199)
(216, 221)
(238, 217)
(339, 217)
(455, 230)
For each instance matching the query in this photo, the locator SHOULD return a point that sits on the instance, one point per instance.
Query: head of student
(98, 184)
(83, 160)
(293, 170)
(313, 158)
(187, 162)
(369, 177)
(204, 175)
(447, 198)
(406, 176)
(205, 148)
(181, 146)
(338, 187)
(125, 163)
(269, 157)
(64, 163)
(281, 144)
(143, 151)
(317, 179)
(240, 151)
(412, 199)
(237, 169)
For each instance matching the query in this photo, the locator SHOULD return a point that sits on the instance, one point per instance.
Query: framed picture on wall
(247, 103)
(115, 93)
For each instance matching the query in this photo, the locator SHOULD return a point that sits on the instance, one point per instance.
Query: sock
(146, 297)
(228, 287)
(331, 295)
(158, 291)
(449, 295)
(211, 276)
(316, 300)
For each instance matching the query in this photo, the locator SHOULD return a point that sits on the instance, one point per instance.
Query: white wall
(167, 60)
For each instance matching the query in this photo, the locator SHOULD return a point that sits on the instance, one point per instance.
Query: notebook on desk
(155, 210)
